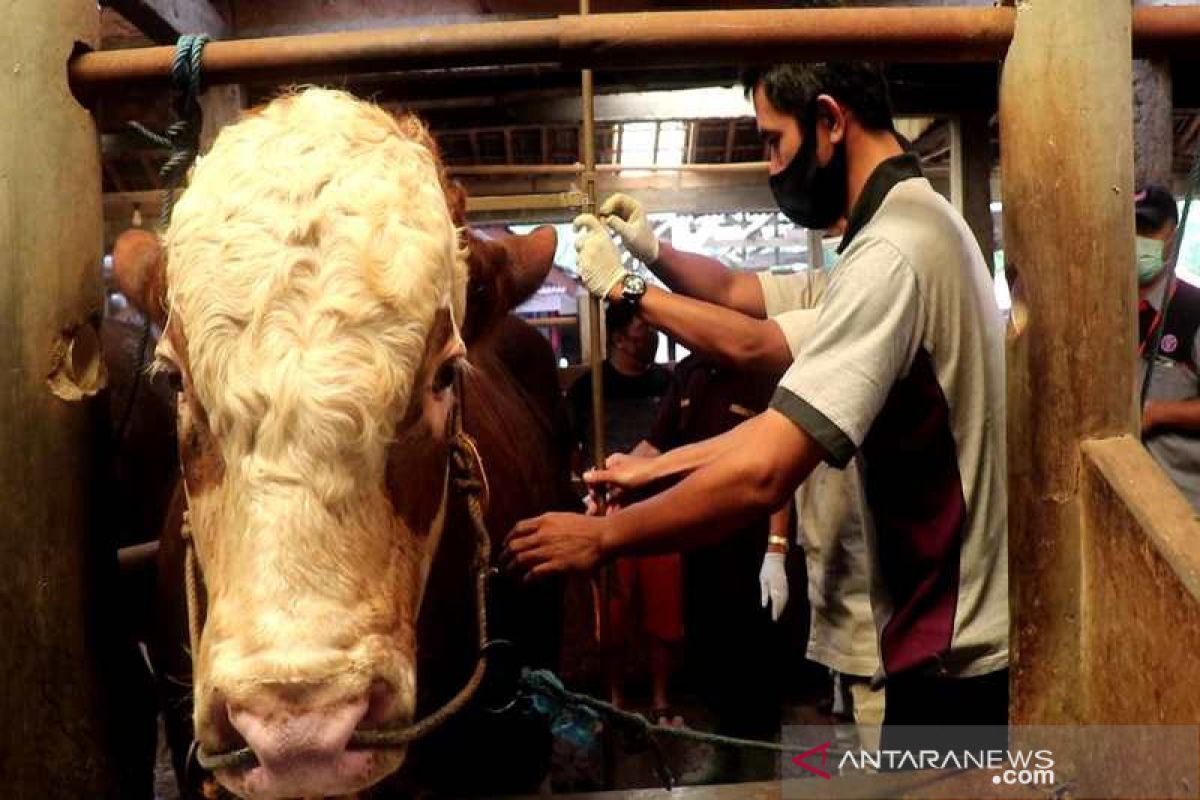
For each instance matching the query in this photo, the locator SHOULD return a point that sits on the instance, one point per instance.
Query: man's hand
(599, 262)
(773, 583)
(621, 473)
(554, 543)
(627, 218)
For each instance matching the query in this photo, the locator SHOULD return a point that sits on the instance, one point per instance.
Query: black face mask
(808, 194)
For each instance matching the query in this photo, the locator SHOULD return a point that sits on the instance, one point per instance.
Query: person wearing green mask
(1171, 415)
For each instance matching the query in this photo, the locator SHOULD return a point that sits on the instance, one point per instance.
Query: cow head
(315, 298)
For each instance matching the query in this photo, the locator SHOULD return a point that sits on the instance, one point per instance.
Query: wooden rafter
(165, 20)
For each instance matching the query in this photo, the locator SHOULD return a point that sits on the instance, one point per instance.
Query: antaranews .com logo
(1096, 761)
(1011, 767)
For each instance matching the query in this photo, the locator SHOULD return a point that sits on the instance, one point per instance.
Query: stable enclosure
(1104, 552)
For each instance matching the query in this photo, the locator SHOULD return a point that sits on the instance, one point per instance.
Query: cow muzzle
(302, 751)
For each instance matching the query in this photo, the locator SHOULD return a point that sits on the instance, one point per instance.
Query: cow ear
(139, 270)
(530, 257)
(504, 271)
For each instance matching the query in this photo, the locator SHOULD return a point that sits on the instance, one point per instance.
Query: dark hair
(794, 88)
(618, 318)
(1154, 207)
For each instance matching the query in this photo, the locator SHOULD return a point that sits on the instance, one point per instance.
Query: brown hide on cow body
(513, 409)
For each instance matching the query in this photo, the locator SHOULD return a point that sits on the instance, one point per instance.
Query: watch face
(635, 284)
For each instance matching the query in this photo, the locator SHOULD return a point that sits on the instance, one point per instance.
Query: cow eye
(444, 378)
(170, 372)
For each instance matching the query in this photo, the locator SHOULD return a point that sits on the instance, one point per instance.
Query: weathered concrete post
(1067, 177)
(1153, 119)
(53, 737)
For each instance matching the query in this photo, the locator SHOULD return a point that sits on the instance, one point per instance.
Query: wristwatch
(633, 287)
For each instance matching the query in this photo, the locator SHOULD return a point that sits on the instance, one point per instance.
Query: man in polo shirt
(1171, 414)
(904, 370)
(842, 633)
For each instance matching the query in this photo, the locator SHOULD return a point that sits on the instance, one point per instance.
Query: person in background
(646, 596)
(723, 589)
(1171, 413)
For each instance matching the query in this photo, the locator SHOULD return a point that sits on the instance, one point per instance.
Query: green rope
(536, 684)
(182, 138)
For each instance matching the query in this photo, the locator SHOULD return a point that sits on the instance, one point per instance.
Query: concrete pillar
(1153, 118)
(1153, 123)
(1065, 100)
(54, 737)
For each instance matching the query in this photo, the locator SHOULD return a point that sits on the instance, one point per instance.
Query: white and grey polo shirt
(905, 365)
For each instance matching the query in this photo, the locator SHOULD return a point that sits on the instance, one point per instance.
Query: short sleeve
(862, 341)
(796, 326)
(788, 292)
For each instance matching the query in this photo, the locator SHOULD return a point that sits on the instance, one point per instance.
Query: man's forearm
(761, 463)
(1181, 415)
(727, 336)
(682, 460)
(707, 279)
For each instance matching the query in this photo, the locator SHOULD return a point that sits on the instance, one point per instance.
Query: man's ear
(833, 115)
(139, 270)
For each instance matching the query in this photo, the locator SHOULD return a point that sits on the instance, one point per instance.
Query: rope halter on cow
(466, 469)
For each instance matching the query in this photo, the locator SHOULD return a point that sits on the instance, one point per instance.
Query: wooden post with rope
(58, 702)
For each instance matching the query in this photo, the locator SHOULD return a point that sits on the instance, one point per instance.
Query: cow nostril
(221, 729)
(381, 700)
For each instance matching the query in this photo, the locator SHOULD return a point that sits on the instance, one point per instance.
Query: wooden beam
(975, 142)
(1076, 289)
(59, 699)
(955, 151)
(1141, 556)
(164, 21)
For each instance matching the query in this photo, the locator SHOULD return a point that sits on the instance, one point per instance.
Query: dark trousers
(939, 713)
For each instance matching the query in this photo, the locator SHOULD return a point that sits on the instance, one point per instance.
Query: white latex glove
(599, 262)
(772, 580)
(627, 218)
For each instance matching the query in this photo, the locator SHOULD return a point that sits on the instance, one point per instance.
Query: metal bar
(682, 38)
(736, 166)
(342, 53)
(519, 202)
(552, 322)
(484, 170)
(1166, 31)
(648, 39)
(487, 170)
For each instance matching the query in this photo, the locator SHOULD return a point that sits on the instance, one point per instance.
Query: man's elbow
(746, 352)
(766, 484)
